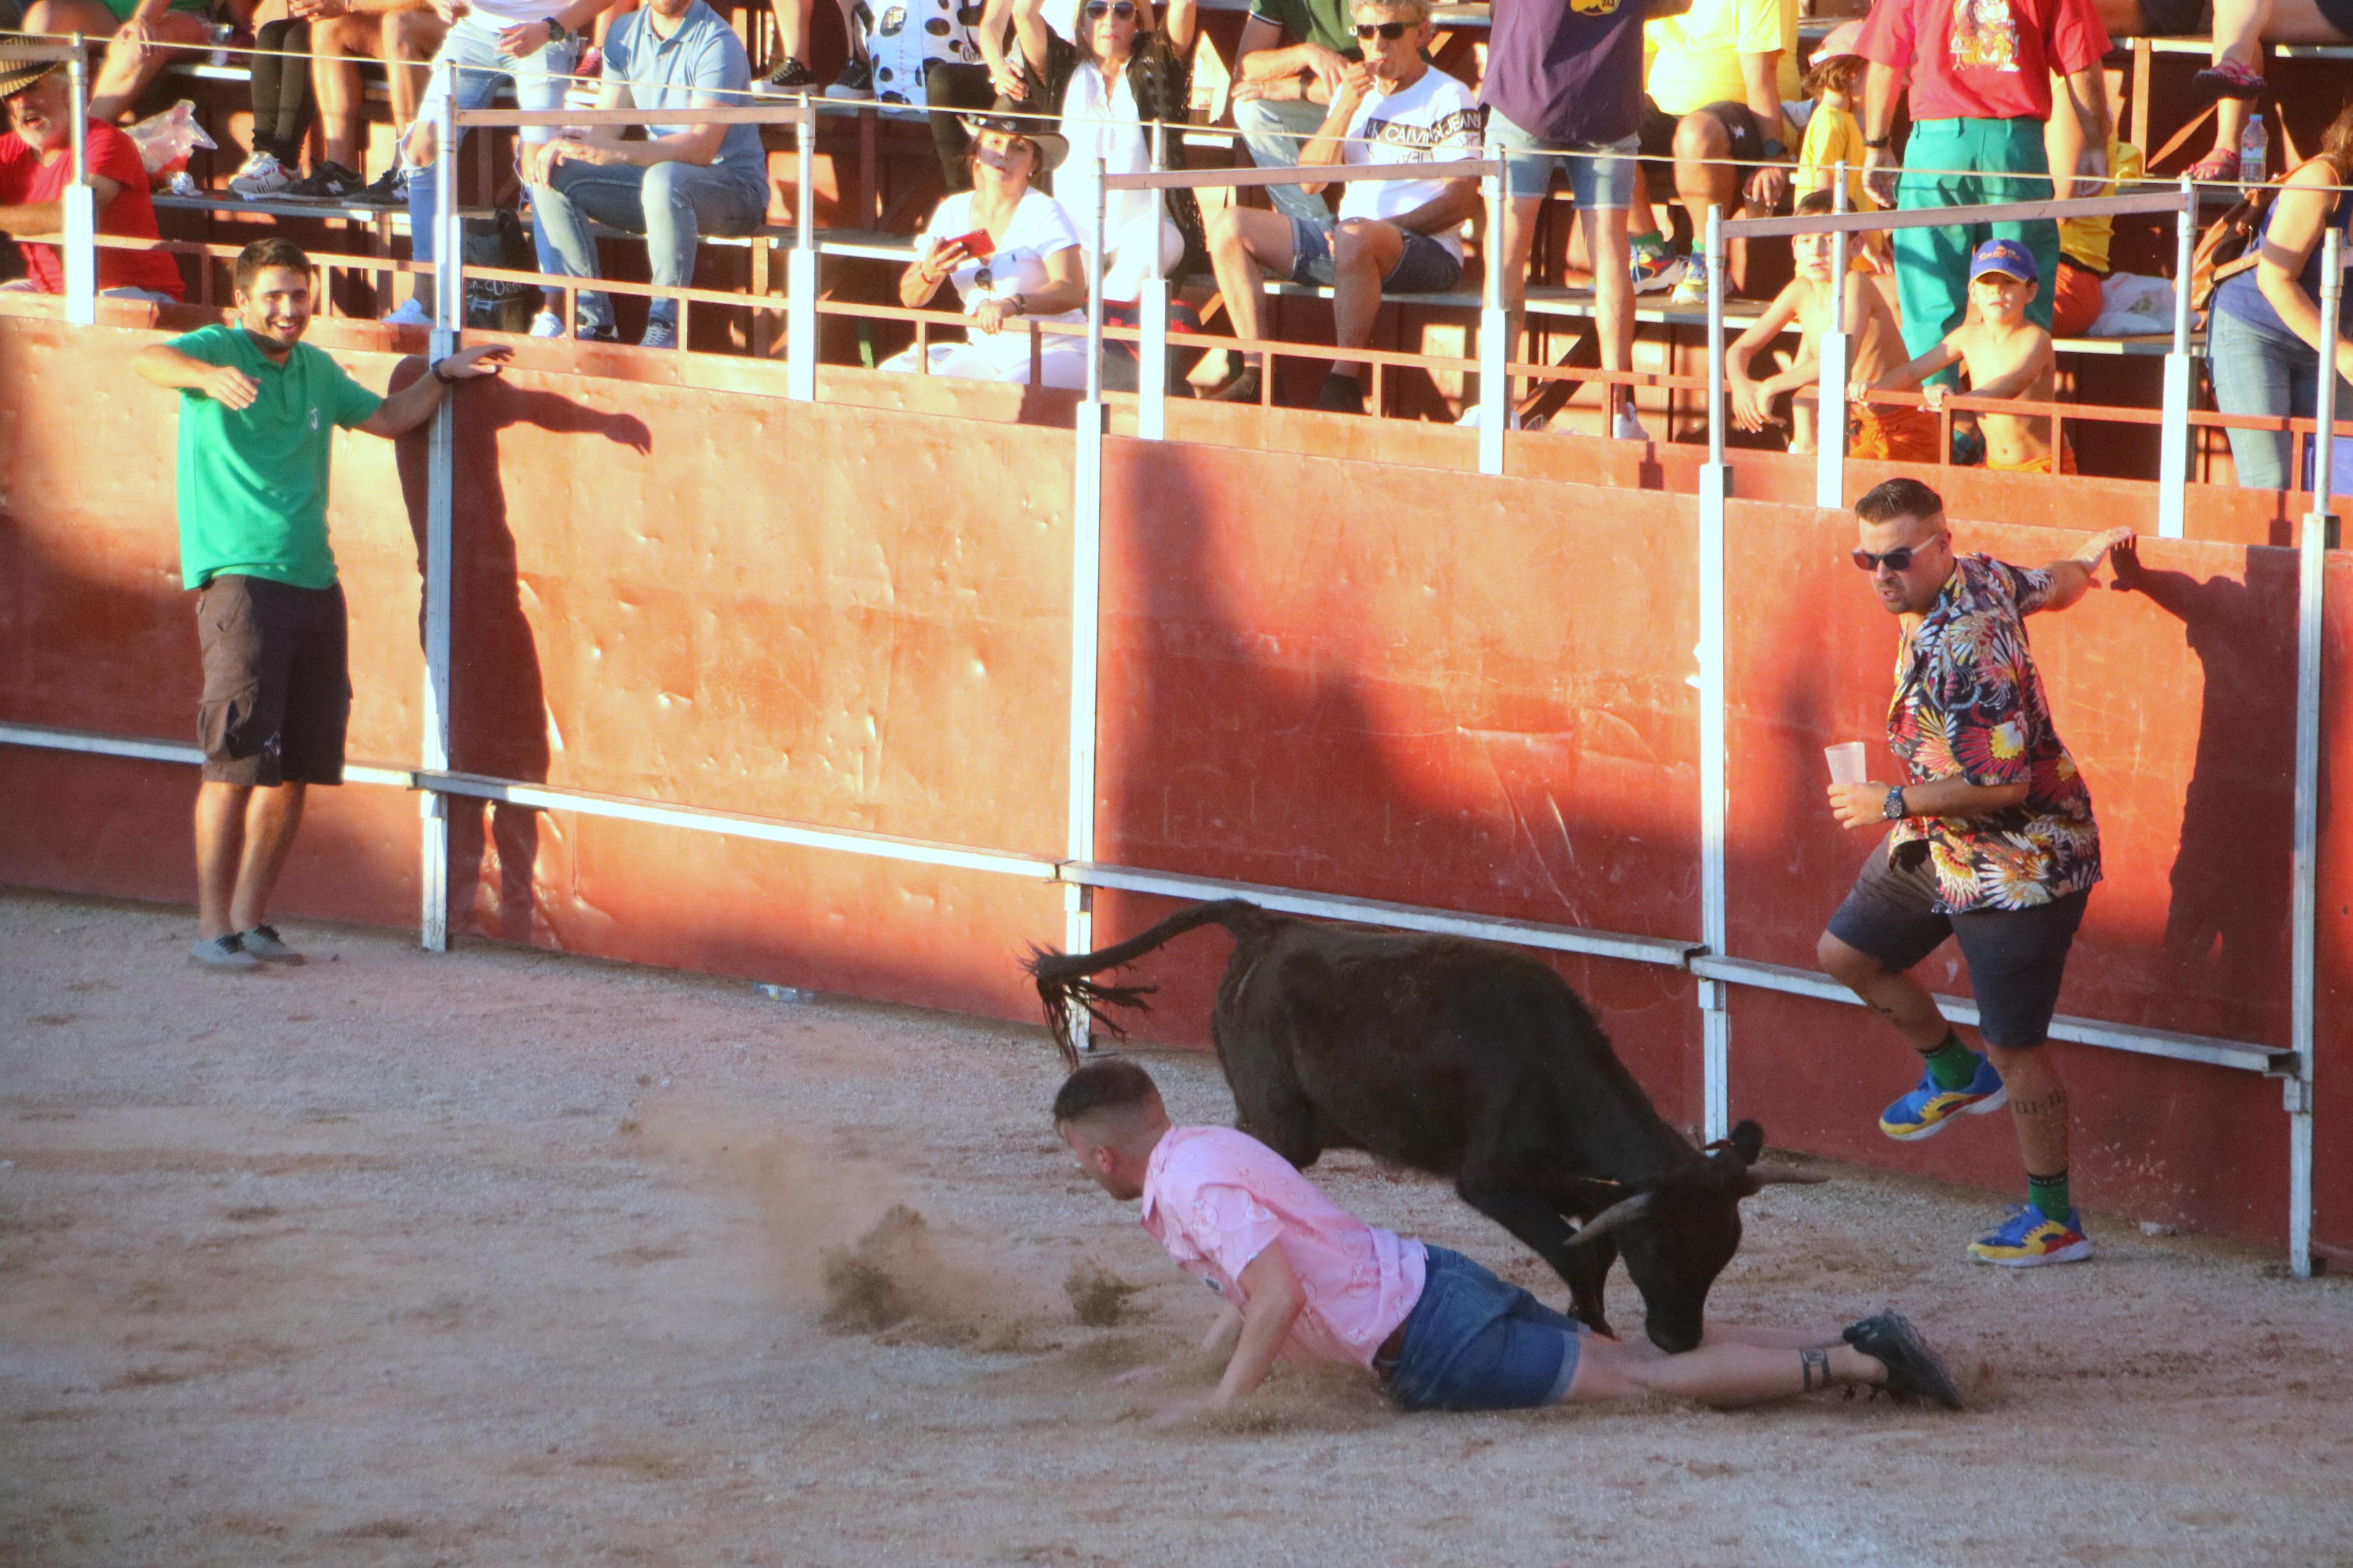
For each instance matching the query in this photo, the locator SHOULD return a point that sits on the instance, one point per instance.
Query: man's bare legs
(243, 835)
(132, 60)
(1363, 252)
(1241, 241)
(1733, 1366)
(1613, 285)
(1898, 998)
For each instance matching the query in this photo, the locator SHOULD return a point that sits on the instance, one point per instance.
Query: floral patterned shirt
(1970, 703)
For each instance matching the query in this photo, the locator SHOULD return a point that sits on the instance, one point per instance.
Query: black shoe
(390, 189)
(1914, 1371)
(856, 81)
(330, 182)
(1341, 394)
(1244, 388)
(790, 80)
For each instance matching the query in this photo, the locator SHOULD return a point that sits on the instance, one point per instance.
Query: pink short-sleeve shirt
(1217, 1198)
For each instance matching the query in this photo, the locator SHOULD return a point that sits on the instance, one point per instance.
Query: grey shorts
(1425, 267)
(2016, 957)
(1600, 174)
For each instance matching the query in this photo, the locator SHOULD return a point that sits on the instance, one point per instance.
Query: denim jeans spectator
(1274, 131)
(471, 55)
(2260, 371)
(672, 204)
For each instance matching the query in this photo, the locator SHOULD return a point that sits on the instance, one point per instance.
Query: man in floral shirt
(1992, 843)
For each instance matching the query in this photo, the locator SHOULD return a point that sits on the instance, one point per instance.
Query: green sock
(2049, 1194)
(1952, 1064)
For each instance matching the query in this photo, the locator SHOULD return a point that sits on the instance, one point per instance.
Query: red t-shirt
(1983, 59)
(26, 181)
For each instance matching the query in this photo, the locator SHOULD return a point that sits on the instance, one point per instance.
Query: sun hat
(17, 72)
(1052, 146)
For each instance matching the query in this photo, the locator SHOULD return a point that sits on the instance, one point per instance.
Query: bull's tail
(1063, 986)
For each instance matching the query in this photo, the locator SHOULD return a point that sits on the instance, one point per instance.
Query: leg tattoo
(1814, 1368)
(2046, 1104)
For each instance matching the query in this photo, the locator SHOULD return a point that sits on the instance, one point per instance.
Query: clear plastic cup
(1850, 762)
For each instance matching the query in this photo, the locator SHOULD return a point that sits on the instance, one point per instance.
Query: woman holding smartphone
(1012, 252)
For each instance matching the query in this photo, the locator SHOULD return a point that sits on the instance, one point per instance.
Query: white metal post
(2173, 435)
(1494, 331)
(1151, 352)
(1714, 1021)
(449, 244)
(80, 201)
(449, 314)
(2311, 606)
(800, 265)
(1829, 398)
(1086, 604)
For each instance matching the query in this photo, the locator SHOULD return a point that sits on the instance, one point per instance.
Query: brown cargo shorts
(278, 686)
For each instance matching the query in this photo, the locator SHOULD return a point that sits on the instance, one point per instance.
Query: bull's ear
(1748, 1142)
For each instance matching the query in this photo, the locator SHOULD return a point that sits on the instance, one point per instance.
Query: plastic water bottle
(2255, 152)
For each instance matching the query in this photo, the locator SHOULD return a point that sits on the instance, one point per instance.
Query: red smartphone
(976, 245)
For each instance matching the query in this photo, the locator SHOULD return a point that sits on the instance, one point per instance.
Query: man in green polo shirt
(258, 410)
(1288, 63)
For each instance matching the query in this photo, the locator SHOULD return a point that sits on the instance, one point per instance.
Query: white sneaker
(262, 175)
(1627, 427)
(408, 313)
(547, 324)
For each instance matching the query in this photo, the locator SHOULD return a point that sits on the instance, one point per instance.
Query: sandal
(2219, 166)
(2227, 77)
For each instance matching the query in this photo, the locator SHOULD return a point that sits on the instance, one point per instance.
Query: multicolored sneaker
(1690, 292)
(1923, 1112)
(2027, 1240)
(1653, 265)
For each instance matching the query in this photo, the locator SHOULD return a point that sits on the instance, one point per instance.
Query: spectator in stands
(1121, 75)
(1712, 100)
(1011, 251)
(281, 78)
(1564, 90)
(1833, 81)
(140, 33)
(792, 76)
(1979, 73)
(488, 41)
(2084, 245)
(36, 164)
(679, 183)
(2239, 29)
(2262, 334)
(1874, 347)
(2005, 355)
(1397, 237)
(404, 34)
(259, 409)
(1288, 65)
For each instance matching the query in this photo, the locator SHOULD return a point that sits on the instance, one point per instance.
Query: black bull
(1462, 1059)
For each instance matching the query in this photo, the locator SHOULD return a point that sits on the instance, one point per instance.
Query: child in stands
(1833, 136)
(2083, 246)
(2003, 354)
(1874, 346)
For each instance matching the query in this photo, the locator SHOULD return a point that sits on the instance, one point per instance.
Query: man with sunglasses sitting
(1992, 843)
(1398, 237)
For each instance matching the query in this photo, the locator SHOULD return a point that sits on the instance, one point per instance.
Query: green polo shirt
(253, 481)
(1331, 23)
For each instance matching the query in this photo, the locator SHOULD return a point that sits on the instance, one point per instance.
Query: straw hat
(1052, 146)
(17, 73)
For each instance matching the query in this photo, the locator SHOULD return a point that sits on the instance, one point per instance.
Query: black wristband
(1876, 144)
(435, 368)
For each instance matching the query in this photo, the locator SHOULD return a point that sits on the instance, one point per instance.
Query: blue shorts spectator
(1600, 175)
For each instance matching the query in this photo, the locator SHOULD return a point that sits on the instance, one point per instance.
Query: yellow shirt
(2084, 240)
(1832, 136)
(1698, 63)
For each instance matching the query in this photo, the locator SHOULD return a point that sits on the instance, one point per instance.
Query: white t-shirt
(1017, 265)
(1435, 120)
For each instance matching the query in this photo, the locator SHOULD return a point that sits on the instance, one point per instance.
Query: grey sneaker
(1914, 1371)
(855, 83)
(223, 953)
(264, 943)
(659, 334)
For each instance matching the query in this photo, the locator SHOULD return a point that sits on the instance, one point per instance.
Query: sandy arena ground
(503, 1258)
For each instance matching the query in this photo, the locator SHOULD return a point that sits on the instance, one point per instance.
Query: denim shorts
(1600, 174)
(1425, 267)
(1473, 1342)
(2016, 957)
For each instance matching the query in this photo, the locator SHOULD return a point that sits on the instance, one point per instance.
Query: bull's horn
(1786, 1178)
(1608, 1219)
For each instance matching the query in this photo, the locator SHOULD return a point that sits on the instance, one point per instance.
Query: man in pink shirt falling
(1303, 1278)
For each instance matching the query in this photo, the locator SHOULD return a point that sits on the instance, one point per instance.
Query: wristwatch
(435, 368)
(556, 31)
(1019, 304)
(1891, 807)
(1774, 151)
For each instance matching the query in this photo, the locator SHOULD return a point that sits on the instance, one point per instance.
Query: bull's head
(1677, 1234)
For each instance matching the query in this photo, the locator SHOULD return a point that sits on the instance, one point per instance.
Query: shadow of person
(498, 707)
(2226, 927)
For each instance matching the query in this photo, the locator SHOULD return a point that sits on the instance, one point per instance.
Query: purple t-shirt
(1568, 72)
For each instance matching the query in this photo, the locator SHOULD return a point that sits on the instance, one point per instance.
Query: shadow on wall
(497, 719)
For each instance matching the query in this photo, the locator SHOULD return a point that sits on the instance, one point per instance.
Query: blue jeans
(1600, 174)
(1473, 1342)
(672, 204)
(1274, 133)
(2266, 372)
(472, 57)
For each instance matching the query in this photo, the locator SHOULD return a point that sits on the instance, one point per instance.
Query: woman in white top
(1028, 266)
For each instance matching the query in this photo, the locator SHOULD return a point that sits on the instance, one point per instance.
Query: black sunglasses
(1389, 32)
(1896, 559)
(1098, 9)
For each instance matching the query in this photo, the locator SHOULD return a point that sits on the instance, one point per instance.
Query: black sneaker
(1914, 1371)
(856, 81)
(787, 80)
(330, 182)
(390, 189)
(1244, 388)
(1341, 394)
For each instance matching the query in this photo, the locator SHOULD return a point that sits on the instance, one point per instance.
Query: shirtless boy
(1875, 347)
(1302, 1278)
(2004, 354)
